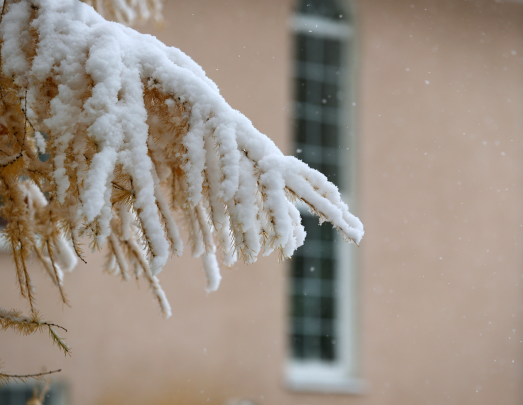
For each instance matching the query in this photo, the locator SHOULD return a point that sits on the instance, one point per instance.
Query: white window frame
(342, 375)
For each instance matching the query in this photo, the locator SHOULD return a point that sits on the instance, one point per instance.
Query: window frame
(342, 375)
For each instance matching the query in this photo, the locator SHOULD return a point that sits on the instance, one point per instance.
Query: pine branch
(25, 325)
(7, 378)
(176, 138)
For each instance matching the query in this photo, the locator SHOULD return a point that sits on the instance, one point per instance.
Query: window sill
(322, 379)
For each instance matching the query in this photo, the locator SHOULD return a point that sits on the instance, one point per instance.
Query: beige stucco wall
(440, 192)
(442, 197)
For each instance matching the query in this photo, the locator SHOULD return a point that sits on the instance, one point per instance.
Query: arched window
(322, 327)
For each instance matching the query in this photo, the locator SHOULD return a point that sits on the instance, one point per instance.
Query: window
(322, 325)
(19, 394)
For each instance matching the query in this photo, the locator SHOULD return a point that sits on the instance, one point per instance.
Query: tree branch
(5, 378)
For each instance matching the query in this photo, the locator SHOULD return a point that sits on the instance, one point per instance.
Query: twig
(25, 112)
(5, 378)
(31, 375)
(75, 246)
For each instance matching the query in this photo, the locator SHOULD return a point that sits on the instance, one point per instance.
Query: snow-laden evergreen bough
(135, 132)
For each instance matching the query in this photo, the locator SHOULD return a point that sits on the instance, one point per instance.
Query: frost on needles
(135, 133)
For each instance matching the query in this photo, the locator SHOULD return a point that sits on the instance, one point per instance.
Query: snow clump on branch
(136, 131)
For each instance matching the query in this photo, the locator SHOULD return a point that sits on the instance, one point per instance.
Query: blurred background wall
(439, 169)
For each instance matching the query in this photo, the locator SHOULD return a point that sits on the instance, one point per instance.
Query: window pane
(313, 133)
(300, 127)
(332, 52)
(301, 41)
(327, 307)
(313, 90)
(298, 347)
(327, 268)
(330, 136)
(298, 266)
(311, 346)
(301, 90)
(329, 95)
(314, 50)
(327, 348)
(331, 171)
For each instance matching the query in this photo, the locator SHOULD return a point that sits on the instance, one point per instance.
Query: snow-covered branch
(136, 132)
